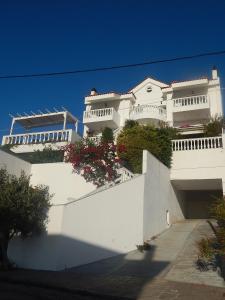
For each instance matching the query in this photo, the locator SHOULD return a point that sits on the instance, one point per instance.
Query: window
(149, 89)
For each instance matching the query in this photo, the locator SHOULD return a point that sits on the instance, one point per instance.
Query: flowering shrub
(97, 163)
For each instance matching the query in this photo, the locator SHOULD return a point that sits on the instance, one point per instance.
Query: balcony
(197, 144)
(190, 103)
(148, 112)
(59, 136)
(97, 119)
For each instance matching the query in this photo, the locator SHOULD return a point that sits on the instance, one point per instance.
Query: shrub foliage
(137, 138)
(96, 162)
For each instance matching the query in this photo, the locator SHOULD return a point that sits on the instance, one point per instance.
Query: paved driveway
(166, 271)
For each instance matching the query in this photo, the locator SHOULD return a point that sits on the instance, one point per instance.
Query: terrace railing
(197, 143)
(38, 137)
(192, 100)
(146, 111)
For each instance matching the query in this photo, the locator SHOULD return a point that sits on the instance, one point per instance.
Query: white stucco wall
(99, 225)
(159, 197)
(63, 183)
(107, 223)
(13, 164)
(198, 164)
(154, 97)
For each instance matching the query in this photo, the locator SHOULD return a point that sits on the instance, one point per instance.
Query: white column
(64, 123)
(13, 122)
(169, 109)
(76, 126)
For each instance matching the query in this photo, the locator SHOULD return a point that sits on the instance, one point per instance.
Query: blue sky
(56, 35)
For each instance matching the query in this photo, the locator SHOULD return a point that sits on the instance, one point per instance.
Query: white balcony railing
(38, 137)
(148, 111)
(192, 100)
(197, 143)
(125, 175)
(98, 114)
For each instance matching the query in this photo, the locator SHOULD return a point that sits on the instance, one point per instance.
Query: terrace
(31, 136)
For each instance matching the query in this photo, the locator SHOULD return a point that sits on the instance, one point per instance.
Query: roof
(148, 79)
(44, 119)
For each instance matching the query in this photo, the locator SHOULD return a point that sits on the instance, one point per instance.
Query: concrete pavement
(166, 271)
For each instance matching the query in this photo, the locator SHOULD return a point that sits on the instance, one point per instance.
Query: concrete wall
(63, 183)
(199, 164)
(110, 220)
(99, 225)
(160, 197)
(13, 164)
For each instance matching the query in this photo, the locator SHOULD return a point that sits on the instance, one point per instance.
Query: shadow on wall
(124, 274)
(54, 252)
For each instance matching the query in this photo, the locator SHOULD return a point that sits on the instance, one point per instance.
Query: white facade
(85, 224)
(186, 105)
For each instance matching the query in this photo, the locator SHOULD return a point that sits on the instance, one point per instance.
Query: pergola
(45, 119)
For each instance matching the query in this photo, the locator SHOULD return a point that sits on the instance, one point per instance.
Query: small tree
(136, 138)
(214, 127)
(23, 210)
(97, 163)
(107, 135)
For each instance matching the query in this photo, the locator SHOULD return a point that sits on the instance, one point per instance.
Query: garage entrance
(197, 196)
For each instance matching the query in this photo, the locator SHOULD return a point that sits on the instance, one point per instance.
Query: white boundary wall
(99, 225)
(13, 164)
(161, 203)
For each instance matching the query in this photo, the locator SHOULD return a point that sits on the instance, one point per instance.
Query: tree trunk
(4, 242)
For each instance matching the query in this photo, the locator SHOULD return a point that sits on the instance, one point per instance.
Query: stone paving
(166, 271)
(184, 269)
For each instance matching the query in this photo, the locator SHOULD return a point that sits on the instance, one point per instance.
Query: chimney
(214, 73)
(93, 92)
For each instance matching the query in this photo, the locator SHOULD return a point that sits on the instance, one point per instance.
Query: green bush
(211, 249)
(47, 155)
(214, 127)
(107, 135)
(137, 138)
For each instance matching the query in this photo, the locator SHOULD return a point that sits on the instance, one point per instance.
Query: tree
(136, 138)
(23, 210)
(214, 127)
(96, 162)
(107, 135)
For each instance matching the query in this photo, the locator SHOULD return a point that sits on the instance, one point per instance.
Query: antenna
(56, 110)
(48, 111)
(11, 116)
(40, 112)
(32, 113)
(26, 114)
(64, 108)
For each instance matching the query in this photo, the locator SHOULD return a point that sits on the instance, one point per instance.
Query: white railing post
(198, 143)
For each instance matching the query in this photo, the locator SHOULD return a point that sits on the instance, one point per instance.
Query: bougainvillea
(96, 162)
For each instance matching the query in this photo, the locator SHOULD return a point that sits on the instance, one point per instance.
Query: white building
(85, 224)
(186, 105)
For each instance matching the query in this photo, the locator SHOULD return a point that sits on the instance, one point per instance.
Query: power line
(98, 69)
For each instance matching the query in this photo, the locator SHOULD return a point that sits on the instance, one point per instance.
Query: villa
(88, 224)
